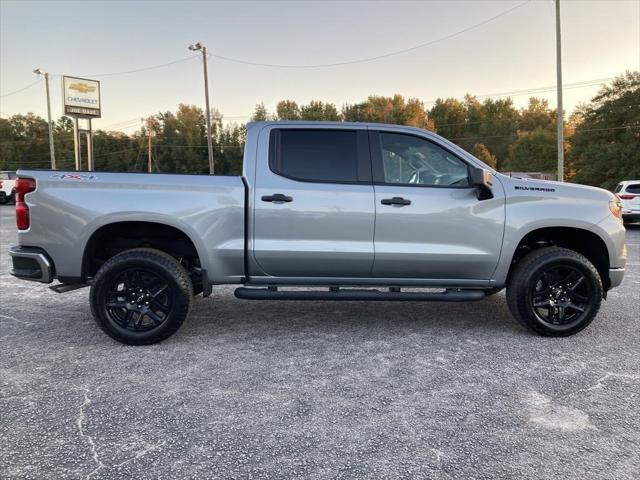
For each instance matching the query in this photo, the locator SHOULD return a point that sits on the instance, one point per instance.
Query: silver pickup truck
(352, 211)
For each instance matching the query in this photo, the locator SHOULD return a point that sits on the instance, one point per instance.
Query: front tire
(554, 291)
(141, 296)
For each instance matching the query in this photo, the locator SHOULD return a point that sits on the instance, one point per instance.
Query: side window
(618, 188)
(633, 188)
(410, 160)
(315, 155)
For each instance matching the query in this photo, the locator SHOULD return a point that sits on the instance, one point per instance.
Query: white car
(629, 193)
(7, 186)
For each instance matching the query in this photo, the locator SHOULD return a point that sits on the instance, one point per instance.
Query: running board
(393, 295)
(68, 287)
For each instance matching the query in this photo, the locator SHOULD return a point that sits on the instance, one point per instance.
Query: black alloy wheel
(139, 300)
(141, 296)
(554, 291)
(561, 296)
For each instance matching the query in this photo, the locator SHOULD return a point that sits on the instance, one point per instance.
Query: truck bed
(67, 208)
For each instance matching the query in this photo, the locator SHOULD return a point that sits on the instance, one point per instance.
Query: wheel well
(114, 238)
(582, 241)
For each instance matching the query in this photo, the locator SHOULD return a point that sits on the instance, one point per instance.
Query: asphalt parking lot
(317, 390)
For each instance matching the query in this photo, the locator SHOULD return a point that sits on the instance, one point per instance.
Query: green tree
(475, 119)
(288, 110)
(24, 142)
(354, 113)
(317, 110)
(394, 110)
(449, 117)
(481, 152)
(230, 150)
(260, 113)
(179, 143)
(537, 115)
(605, 147)
(533, 152)
(498, 128)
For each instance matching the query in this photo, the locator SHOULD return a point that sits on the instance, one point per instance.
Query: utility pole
(149, 123)
(52, 152)
(560, 113)
(199, 47)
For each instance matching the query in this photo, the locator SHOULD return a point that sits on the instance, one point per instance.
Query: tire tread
(164, 261)
(522, 271)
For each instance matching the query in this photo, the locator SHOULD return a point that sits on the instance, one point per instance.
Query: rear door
(429, 222)
(314, 209)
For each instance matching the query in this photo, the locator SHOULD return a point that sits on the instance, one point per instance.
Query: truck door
(314, 209)
(429, 222)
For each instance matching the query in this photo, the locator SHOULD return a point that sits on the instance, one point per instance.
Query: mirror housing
(483, 180)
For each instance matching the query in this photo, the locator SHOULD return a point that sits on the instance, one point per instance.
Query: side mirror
(483, 180)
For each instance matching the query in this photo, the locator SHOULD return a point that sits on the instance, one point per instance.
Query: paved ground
(317, 390)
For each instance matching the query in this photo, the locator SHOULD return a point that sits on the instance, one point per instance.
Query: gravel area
(288, 390)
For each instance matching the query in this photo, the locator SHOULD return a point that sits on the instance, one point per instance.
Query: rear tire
(141, 296)
(554, 291)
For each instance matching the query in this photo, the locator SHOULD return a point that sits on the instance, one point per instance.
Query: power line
(124, 124)
(623, 127)
(584, 83)
(22, 89)
(517, 121)
(143, 69)
(377, 57)
(581, 84)
(115, 153)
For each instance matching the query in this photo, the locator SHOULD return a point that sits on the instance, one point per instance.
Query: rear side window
(315, 155)
(618, 188)
(633, 188)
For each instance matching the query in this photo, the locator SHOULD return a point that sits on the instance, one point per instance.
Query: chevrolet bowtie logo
(81, 87)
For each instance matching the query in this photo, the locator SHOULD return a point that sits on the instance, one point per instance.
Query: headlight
(615, 206)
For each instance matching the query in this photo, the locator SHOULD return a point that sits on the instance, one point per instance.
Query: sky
(513, 52)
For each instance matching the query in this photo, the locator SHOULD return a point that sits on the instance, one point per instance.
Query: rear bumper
(631, 216)
(30, 263)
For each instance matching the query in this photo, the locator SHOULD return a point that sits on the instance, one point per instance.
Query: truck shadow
(227, 314)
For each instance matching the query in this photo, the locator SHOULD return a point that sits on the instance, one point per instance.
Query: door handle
(395, 201)
(276, 197)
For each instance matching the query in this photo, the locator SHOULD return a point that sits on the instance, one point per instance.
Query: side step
(393, 295)
(67, 287)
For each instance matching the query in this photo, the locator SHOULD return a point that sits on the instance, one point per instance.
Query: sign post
(81, 99)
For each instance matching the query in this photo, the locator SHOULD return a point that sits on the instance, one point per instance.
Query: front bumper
(615, 276)
(31, 263)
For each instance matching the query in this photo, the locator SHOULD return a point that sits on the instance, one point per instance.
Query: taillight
(628, 197)
(23, 186)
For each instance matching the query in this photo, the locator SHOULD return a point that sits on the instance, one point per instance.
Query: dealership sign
(81, 97)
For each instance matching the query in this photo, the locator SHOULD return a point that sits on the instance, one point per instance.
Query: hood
(532, 187)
